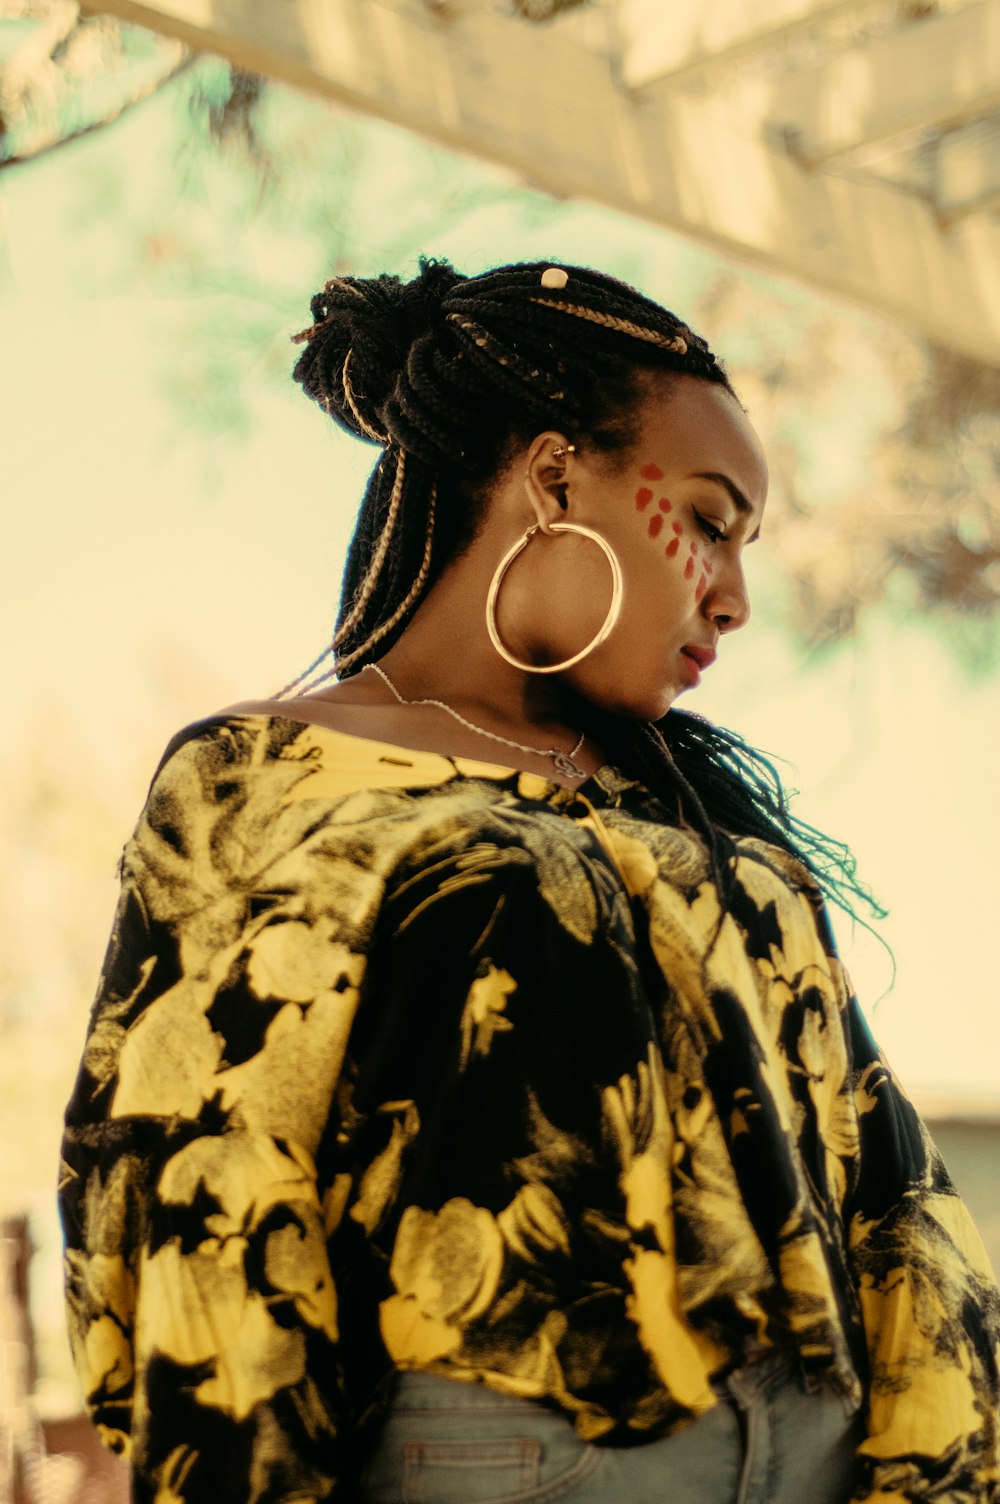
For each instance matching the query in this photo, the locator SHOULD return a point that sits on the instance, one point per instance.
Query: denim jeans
(766, 1442)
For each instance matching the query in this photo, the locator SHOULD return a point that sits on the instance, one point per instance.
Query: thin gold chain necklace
(562, 761)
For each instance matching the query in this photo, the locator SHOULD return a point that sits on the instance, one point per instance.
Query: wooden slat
(940, 72)
(481, 83)
(968, 174)
(677, 38)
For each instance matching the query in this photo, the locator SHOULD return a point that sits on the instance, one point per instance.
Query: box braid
(447, 374)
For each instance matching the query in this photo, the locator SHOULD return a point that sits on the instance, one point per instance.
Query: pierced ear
(545, 482)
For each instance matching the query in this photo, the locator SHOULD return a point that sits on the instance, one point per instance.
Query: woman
(474, 1106)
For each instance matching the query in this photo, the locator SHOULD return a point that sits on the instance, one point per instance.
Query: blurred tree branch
(29, 66)
(67, 78)
(44, 146)
(544, 10)
(916, 518)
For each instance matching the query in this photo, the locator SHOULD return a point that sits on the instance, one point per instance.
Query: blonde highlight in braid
(356, 413)
(675, 342)
(414, 594)
(550, 387)
(336, 669)
(382, 548)
(364, 594)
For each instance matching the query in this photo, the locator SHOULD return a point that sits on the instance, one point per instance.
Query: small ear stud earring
(560, 453)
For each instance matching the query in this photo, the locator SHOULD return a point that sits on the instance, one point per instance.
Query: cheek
(653, 521)
(673, 547)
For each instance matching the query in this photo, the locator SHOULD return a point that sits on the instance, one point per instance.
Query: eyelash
(712, 533)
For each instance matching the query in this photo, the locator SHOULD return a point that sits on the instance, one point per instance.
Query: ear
(546, 479)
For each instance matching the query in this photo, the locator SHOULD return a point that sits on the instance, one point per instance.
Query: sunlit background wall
(175, 516)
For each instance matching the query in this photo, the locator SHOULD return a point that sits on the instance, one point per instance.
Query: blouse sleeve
(929, 1306)
(202, 1310)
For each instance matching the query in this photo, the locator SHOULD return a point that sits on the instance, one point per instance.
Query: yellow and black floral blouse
(407, 1062)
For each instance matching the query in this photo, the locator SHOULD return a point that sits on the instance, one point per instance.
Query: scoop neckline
(496, 771)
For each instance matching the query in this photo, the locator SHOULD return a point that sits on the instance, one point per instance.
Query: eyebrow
(739, 501)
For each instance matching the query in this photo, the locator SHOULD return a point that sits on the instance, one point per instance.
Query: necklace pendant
(565, 765)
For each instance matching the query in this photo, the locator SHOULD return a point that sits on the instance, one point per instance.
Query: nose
(727, 602)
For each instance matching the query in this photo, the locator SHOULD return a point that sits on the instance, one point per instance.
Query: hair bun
(363, 332)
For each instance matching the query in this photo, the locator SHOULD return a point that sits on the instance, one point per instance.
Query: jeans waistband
(432, 1391)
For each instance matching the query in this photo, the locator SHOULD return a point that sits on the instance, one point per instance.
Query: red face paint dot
(643, 497)
(708, 568)
(672, 547)
(700, 589)
(689, 569)
(651, 472)
(694, 548)
(655, 523)
(665, 504)
(677, 527)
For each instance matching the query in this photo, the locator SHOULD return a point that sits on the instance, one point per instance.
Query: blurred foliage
(63, 76)
(544, 10)
(263, 180)
(912, 517)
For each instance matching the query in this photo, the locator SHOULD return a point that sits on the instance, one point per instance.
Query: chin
(634, 704)
(664, 703)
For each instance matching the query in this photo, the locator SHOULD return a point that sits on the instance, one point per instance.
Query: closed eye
(712, 533)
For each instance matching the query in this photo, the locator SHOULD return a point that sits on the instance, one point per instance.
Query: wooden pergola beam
(677, 39)
(938, 72)
(968, 176)
(482, 83)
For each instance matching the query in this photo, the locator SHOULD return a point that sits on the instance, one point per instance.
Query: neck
(563, 760)
(475, 680)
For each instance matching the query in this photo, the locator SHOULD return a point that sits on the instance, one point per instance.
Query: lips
(702, 656)
(695, 659)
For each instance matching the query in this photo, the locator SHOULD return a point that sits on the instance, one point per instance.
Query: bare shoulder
(356, 709)
(348, 707)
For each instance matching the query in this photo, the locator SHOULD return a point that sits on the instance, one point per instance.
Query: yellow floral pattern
(406, 1062)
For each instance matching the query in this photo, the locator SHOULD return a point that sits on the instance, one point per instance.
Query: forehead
(693, 427)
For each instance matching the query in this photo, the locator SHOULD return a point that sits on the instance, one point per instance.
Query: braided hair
(448, 374)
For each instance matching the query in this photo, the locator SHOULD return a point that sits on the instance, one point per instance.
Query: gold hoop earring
(609, 621)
